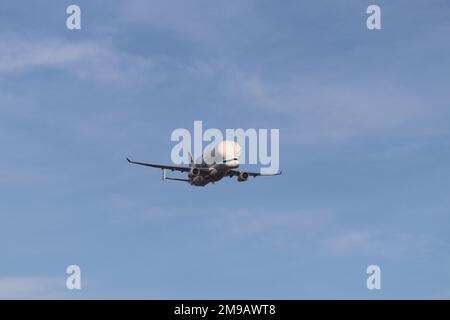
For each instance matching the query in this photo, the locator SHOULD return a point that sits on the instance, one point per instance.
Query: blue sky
(364, 147)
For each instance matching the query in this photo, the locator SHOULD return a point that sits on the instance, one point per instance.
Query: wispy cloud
(354, 241)
(31, 288)
(323, 109)
(280, 224)
(383, 244)
(85, 59)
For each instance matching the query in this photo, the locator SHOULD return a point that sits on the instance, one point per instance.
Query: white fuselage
(218, 162)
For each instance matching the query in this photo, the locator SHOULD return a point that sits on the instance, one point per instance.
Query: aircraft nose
(232, 163)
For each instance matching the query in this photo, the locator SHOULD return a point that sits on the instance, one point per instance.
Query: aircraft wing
(160, 166)
(236, 173)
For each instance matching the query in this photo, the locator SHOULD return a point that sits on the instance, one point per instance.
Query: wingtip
(128, 160)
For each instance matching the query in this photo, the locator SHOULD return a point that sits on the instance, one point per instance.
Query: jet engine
(198, 181)
(195, 171)
(243, 176)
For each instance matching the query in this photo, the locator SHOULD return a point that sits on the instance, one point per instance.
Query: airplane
(223, 159)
